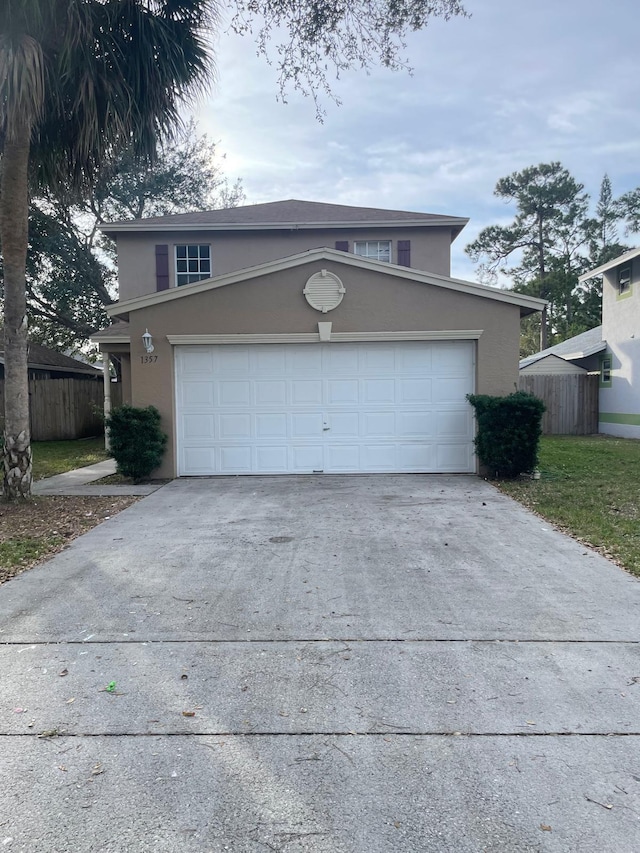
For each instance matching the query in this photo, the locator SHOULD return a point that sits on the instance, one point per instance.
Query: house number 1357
(148, 359)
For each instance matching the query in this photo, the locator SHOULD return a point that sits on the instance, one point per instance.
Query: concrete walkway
(81, 482)
(396, 664)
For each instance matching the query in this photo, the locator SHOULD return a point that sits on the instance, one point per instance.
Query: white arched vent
(324, 291)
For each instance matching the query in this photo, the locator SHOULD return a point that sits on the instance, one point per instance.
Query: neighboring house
(612, 350)
(45, 363)
(297, 337)
(582, 351)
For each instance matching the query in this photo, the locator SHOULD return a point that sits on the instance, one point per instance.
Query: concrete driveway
(372, 664)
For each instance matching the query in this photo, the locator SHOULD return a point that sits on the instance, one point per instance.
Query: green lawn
(56, 457)
(590, 487)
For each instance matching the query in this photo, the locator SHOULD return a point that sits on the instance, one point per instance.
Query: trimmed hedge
(509, 430)
(136, 440)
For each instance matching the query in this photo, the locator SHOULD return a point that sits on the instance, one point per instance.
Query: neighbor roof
(616, 262)
(291, 213)
(528, 304)
(43, 357)
(580, 346)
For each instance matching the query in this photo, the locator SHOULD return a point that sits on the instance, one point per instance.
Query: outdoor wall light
(147, 341)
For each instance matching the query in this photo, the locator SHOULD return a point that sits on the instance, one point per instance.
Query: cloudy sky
(520, 82)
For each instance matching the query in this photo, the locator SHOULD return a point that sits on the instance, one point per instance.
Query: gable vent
(324, 291)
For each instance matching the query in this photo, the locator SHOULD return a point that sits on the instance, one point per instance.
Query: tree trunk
(14, 217)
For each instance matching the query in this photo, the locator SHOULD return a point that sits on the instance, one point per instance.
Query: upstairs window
(193, 263)
(377, 250)
(624, 280)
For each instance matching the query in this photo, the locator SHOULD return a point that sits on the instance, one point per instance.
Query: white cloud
(517, 84)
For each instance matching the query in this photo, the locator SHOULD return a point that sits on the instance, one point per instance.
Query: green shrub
(509, 430)
(136, 440)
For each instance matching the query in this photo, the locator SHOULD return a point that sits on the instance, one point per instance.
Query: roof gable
(580, 346)
(527, 304)
(616, 262)
(43, 357)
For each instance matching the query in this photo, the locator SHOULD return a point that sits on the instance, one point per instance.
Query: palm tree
(79, 80)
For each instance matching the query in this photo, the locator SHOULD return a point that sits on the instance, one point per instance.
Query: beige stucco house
(300, 337)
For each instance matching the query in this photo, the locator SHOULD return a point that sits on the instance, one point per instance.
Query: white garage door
(332, 408)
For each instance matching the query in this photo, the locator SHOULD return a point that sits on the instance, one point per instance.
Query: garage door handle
(325, 428)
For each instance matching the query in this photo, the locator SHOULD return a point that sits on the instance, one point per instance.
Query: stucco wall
(620, 404)
(275, 304)
(430, 250)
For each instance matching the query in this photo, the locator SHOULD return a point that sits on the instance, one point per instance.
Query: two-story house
(300, 337)
(612, 349)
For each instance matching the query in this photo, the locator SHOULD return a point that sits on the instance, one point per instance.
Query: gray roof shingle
(580, 346)
(291, 211)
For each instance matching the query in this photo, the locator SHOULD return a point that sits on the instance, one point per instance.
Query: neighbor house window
(605, 371)
(378, 250)
(624, 280)
(193, 263)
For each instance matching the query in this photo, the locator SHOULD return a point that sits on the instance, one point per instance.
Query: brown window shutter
(162, 267)
(342, 245)
(404, 253)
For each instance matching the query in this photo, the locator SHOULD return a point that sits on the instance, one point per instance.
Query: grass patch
(21, 552)
(590, 487)
(31, 531)
(56, 457)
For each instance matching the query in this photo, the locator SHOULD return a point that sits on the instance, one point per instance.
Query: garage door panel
(272, 459)
(272, 425)
(303, 360)
(377, 424)
(453, 389)
(235, 459)
(369, 407)
(341, 391)
(234, 392)
(381, 359)
(307, 425)
(451, 357)
(196, 361)
(306, 391)
(195, 393)
(196, 426)
(414, 391)
(454, 423)
(415, 457)
(198, 459)
(415, 424)
(342, 458)
(453, 457)
(232, 359)
(270, 361)
(378, 391)
(305, 459)
(272, 392)
(344, 359)
(378, 457)
(343, 424)
(416, 359)
(235, 426)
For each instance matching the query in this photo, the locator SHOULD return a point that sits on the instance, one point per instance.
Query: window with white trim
(193, 263)
(378, 250)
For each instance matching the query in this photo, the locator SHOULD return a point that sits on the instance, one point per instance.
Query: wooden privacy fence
(66, 408)
(571, 400)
